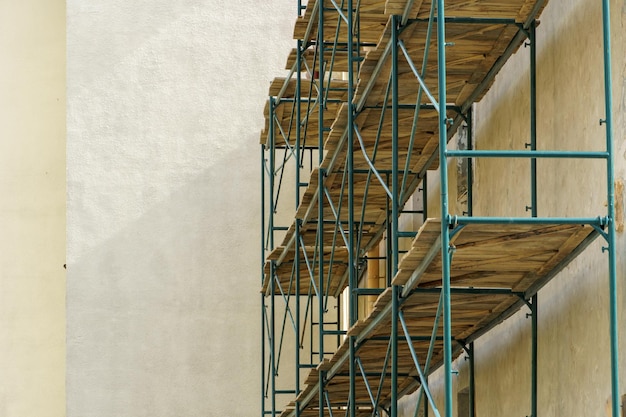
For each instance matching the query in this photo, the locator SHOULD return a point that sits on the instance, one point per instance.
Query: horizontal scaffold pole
(598, 221)
(526, 154)
(472, 20)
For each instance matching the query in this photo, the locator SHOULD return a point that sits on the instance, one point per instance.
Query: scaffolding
(364, 305)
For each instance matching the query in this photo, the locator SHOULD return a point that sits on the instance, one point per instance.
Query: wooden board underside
(476, 48)
(513, 257)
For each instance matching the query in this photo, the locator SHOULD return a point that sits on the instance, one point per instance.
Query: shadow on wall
(570, 102)
(573, 309)
(162, 318)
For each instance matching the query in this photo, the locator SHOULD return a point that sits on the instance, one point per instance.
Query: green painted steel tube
(320, 205)
(429, 356)
(352, 273)
(262, 279)
(470, 162)
(534, 311)
(599, 221)
(395, 310)
(297, 225)
(394, 214)
(272, 340)
(262, 355)
(425, 197)
(533, 207)
(271, 174)
(472, 381)
(366, 382)
(533, 117)
(526, 154)
(472, 20)
(422, 375)
(416, 114)
(445, 237)
(608, 103)
(395, 198)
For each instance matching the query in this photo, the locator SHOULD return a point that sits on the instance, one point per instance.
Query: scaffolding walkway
(375, 91)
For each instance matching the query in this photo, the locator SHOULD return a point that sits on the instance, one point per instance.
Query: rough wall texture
(32, 208)
(574, 372)
(165, 102)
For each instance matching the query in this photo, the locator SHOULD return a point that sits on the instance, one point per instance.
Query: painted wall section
(573, 358)
(165, 106)
(32, 208)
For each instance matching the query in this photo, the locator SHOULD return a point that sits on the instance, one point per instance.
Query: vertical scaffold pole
(352, 274)
(608, 103)
(350, 168)
(472, 382)
(262, 279)
(532, 37)
(445, 237)
(470, 162)
(296, 260)
(272, 210)
(533, 116)
(272, 168)
(395, 196)
(320, 199)
(272, 325)
(534, 311)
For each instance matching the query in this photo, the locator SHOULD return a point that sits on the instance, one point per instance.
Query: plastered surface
(165, 106)
(573, 340)
(32, 208)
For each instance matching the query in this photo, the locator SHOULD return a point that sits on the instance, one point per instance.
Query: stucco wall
(165, 105)
(574, 372)
(32, 208)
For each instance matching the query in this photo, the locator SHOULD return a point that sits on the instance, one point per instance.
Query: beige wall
(165, 106)
(32, 208)
(574, 367)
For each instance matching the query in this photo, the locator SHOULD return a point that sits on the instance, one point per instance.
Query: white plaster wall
(574, 372)
(32, 208)
(165, 102)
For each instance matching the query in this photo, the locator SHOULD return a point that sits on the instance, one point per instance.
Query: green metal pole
(273, 339)
(608, 103)
(271, 172)
(533, 205)
(271, 246)
(262, 279)
(470, 162)
(534, 310)
(533, 118)
(445, 237)
(298, 97)
(352, 273)
(262, 355)
(320, 200)
(394, 214)
(425, 197)
(472, 381)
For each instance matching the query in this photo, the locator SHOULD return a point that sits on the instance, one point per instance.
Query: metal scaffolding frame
(317, 112)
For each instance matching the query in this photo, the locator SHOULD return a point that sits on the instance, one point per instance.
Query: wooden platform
(480, 45)
(494, 269)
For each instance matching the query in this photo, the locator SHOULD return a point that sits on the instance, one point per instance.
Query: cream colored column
(32, 208)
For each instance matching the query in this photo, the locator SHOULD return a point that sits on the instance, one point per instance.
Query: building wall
(32, 208)
(573, 340)
(165, 106)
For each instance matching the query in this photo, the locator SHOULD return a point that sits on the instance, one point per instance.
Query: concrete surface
(165, 106)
